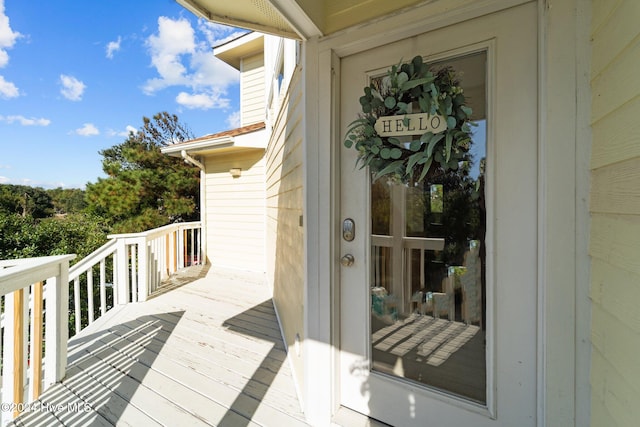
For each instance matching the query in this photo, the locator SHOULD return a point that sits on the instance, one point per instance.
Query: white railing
(34, 353)
(130, 267)
(35, 301)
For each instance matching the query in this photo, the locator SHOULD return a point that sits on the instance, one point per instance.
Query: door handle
(347, 260)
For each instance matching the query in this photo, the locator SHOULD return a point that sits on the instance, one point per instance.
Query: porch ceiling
(295, 18)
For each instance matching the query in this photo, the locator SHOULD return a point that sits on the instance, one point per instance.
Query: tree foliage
(25, 237)
(67, 200)
(145, 189)
(25, 201)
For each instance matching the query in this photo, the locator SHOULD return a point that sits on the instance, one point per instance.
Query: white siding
(252, 93)
(615, 212)
(285, 237)
(235, 210)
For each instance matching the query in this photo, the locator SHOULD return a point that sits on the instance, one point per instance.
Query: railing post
(121, 291)
(36, 341)
(143, 269)
(18, 348)
(57, 325)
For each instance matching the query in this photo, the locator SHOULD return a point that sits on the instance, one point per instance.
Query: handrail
(129, 267)
(22, 333)
(89, 261)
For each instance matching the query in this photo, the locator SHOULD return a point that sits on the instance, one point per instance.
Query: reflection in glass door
(428, 286)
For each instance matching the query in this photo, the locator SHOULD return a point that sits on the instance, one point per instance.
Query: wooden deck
(208, 352)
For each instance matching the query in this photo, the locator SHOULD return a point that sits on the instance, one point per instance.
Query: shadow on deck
(205, 350)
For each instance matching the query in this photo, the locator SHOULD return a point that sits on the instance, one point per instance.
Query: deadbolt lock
(348, 229)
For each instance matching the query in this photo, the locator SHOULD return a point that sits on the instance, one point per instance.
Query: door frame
(563, 261)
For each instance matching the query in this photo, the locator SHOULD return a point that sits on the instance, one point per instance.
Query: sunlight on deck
(205, 350)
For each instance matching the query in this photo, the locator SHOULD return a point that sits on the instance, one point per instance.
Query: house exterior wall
(252, 90)
(615, 213)
(235, 210)
(285, 237)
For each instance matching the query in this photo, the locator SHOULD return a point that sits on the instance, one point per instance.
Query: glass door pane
(428, 287)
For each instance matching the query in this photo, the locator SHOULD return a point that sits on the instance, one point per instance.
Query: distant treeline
(143, 189)
(37, 202)
(38, 222)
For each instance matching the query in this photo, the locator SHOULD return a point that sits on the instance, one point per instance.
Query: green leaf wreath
(410, 88)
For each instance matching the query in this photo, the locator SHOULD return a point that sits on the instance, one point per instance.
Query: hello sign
(410, 124)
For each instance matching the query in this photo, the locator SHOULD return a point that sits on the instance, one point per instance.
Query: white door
(438, 283)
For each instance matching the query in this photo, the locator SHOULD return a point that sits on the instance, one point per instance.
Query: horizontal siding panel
(616, 188)
(617, 136)
(287, 157)
(233, 192)
(240, 230)
(237, 248)
(615, 34)
(617, 344)
(614, 399)
(285, 160)
(601, 11)
(251, 62)
(614, 240)
(253, 84)
(254, 103)
(618, 84)
(241, 219)
(617, 292)
(286, 186)
(250, 117)
(235, 210)
(285, 237)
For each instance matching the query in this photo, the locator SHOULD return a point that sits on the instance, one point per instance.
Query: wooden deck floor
(204, 353)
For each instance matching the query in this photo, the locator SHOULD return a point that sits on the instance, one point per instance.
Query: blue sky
(76, 76)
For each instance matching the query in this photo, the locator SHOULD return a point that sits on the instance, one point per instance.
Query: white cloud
(125, 133)
(88, 129)
(202, 101)
(113, 47)
(24, 121)
(4, 180)
(233, 120)
(72, 88)
(183, 60)
(8, 38)
(8, 89)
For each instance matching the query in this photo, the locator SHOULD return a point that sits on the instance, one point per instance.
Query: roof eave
(301, 26)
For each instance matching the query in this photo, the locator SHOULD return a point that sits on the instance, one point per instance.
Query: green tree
(144, 188)
(67, 200)
(25, 201)
(25, 237)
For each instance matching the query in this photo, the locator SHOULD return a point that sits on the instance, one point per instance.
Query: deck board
(201, 352)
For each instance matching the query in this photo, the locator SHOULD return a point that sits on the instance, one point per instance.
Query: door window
(428, 264)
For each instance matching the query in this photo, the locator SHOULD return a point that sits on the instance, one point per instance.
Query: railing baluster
(134, 273)
(191, 234)
(143, 269)
(90, 295)
(76, 304)
(36, 341)
(18, 348)
(103, 287)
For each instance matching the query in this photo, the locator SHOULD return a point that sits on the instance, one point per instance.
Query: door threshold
(346, 417)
